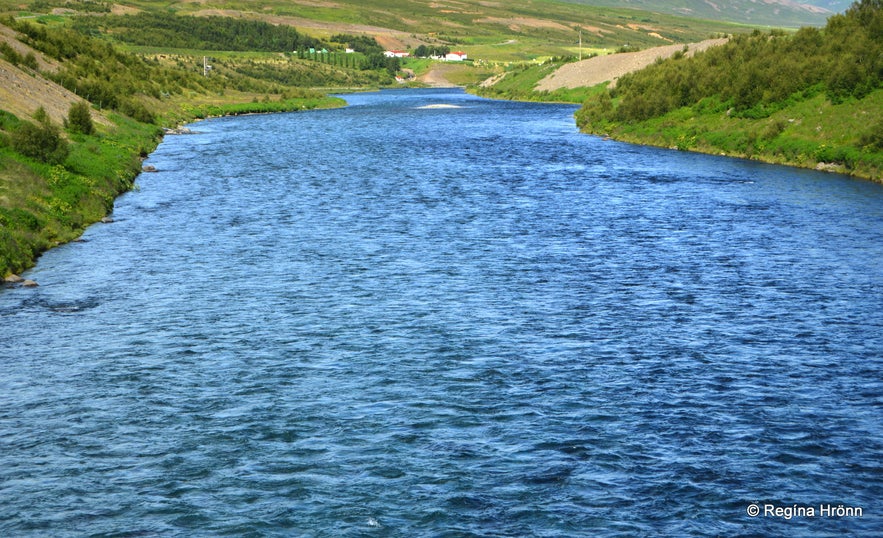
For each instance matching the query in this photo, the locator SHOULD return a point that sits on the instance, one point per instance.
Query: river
(431, 314)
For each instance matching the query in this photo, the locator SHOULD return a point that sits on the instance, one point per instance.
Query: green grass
(805, 133)
(264, 106)
(43, 205)
(520, 81)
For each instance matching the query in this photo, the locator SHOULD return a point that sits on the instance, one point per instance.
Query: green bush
(79, 118)
(41, 141)
(873, 138)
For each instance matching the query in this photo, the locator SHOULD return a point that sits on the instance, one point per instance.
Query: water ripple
(401, 318)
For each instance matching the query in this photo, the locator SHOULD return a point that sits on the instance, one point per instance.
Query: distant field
(497, 31)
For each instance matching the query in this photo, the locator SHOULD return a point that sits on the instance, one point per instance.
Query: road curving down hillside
(609, 68)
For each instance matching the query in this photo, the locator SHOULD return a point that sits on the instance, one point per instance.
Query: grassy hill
(500, 31)
(814, 98)
(775, 13)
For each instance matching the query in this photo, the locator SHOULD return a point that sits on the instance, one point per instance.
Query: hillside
(775, 13)
(517, 30)
(610, 67)
(814, 98)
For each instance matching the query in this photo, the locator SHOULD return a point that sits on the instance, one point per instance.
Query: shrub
(10, 54)
(873, 138)
(79, 118)
(42, 141)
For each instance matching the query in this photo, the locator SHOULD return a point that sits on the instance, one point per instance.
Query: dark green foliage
(8, 121)
(30, 61)
(379, 61)
(359, 43)
(425, 52)
(205, 33)
(136, 110)
(873, 137)
(79, 118)
(599, 105)
(10, 54)
(16, 217)
(42, 141)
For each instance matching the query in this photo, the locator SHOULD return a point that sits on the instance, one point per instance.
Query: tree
(42, 141)
(79, 118)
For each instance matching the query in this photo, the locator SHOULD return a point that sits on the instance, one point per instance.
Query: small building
(396, 54)
(456, 56)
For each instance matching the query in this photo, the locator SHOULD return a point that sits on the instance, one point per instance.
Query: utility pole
(581, 43)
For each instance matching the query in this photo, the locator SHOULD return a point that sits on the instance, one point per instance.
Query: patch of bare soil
(609, 68)
(437, 76)
(119, 9)
(517, 23)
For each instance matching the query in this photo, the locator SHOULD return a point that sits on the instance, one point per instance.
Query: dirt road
(437, 76)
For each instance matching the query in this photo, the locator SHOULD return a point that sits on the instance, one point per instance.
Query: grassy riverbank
(812, 133)
(810, 99)
(43, 205)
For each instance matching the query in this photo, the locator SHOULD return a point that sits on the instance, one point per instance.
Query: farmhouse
(396, 54)
(456, 56)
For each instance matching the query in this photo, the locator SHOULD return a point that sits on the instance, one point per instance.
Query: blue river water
(430, 314)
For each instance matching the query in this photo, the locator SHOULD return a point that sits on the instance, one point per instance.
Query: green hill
(777, 13)
(499, 31)
(814, 98)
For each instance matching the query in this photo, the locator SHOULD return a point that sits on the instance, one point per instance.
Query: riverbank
(812, 134)
(45, 206)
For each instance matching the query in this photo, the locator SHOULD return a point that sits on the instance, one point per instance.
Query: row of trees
(204, 33)
(86, 6)
(756, 74)
(424, 51)
(370, 62)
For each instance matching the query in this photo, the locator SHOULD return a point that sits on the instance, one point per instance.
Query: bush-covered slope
(808, 98)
